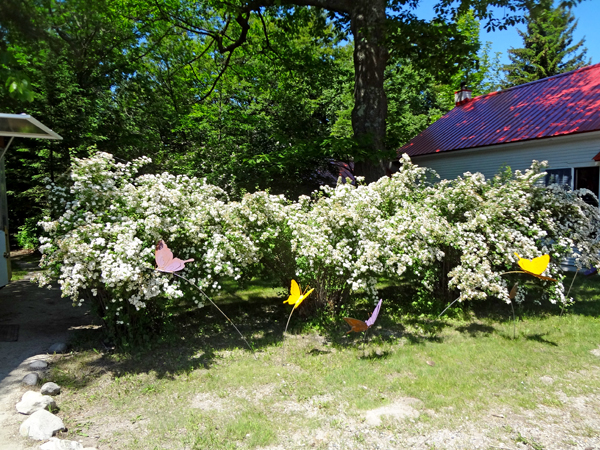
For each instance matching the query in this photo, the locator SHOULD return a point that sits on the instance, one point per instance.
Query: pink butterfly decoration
(165, 261)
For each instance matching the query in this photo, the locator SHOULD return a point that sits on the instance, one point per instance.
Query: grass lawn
(420, 383)
(23, 262)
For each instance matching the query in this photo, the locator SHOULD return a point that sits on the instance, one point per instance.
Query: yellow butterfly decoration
(296, 297)
(535, 266)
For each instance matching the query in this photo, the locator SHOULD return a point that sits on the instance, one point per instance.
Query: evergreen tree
(549, 48)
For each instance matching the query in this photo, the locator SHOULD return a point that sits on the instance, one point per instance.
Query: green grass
(18, 273)
(23, 265)
(206, 391)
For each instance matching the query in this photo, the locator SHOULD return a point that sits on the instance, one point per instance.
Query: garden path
(44, 318)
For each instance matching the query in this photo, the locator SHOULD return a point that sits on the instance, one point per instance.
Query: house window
(558, 176)
(588, 178)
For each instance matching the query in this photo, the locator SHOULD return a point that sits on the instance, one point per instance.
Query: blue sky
(588, 13)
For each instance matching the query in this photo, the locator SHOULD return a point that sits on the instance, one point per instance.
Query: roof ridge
(501, 91)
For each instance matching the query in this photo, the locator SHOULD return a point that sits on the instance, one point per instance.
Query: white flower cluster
(341, 240)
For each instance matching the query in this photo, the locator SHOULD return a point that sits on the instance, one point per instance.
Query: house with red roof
(556, 119)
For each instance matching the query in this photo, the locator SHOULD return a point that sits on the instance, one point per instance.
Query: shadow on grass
(374, 355)
(190, 341)
(537, 337)
(318, 352)
(476, 329)
(195, 339)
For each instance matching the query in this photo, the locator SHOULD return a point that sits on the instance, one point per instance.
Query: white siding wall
(560, 152)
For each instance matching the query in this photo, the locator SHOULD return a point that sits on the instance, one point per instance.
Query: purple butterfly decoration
(165, 261)
(373, 317)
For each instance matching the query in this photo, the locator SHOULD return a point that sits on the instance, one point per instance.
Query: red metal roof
(563, 104)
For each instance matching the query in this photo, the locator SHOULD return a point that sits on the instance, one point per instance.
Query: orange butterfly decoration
(357, 325)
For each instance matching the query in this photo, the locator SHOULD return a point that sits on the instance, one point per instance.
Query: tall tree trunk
(367, 22)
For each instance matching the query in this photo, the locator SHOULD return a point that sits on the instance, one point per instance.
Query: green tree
(108, 75)
(379, 29)
(249, 94)
(75, 53)
(12, 77)
(548, 46)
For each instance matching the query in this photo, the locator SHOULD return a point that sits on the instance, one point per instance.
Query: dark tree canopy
(548, 47)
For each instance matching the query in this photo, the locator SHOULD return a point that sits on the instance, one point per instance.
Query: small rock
(33, 401)
(59, 347)
(41, 425)
(547, 380)
(38, 365)
(31, 379)
(50, 389)
(595, 352)
(57, 444)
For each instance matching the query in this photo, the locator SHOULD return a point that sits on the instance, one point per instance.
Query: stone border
(42, 424)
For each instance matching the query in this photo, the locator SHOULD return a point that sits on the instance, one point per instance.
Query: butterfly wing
(165, 261)
(536, 265)
(357, 325)
(163, 256)
(176, 265)
(295, 293)
(302, 297)
(373, 317)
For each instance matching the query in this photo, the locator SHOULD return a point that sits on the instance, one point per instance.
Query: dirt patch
(208, 402)
(403, 408)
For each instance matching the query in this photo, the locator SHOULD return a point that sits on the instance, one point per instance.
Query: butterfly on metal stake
(359, 325)
(166, 263)
(296, 297)
(534, 267)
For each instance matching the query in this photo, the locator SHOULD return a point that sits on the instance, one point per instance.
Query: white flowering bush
(515, 213)
(101, 246)
(348, 237)
(451, 238)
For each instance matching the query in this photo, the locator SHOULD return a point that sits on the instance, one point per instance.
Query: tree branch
(212, 88)
(338, 6)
